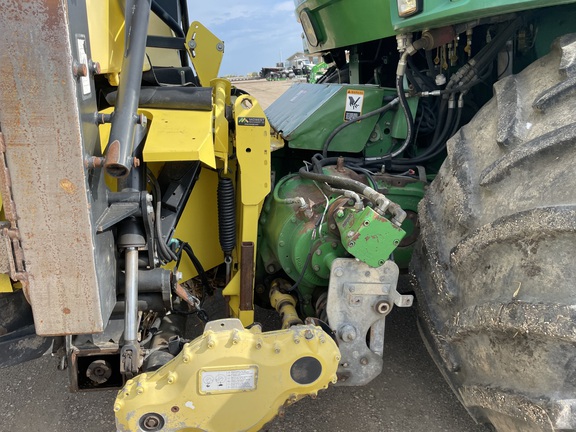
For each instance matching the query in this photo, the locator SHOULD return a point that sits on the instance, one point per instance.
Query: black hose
(339, 129)
(198, 266)
(164, 252)
(409, 123)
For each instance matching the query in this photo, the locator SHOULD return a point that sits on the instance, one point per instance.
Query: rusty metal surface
(247, 276)
(41, 122)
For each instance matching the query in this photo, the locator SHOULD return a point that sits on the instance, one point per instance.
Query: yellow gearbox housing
(229, 379)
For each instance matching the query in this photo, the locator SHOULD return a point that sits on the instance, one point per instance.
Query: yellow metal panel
(231, 379)
(177, 135)
(161, 56)
(221, 89)
(106, 27)
(205, 50)
(252, 142)
(174, 135)
(253, 149)
(5, 284)
(199, 225)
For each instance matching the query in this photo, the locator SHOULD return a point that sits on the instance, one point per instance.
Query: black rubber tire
(494, 271)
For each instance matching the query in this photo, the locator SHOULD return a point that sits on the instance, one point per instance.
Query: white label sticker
(354, 102)
(83, 59)
(228, 380)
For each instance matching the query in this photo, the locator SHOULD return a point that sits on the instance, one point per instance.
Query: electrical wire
(164, 253)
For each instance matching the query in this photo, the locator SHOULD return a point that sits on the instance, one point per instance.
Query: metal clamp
(359, 298)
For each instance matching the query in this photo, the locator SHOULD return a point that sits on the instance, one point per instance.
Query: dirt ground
(264, 91)
(409, 396)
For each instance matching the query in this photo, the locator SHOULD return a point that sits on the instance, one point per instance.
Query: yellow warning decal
(354, 102)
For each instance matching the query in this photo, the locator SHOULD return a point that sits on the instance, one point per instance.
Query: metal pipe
(131, 297)
(121, 142)
(285, 304)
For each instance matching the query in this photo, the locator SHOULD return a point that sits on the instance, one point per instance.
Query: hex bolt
(338, 272)
(350, 234)
(383, 307)
(308, 334)
(94, 67)
(151, 422)
(316, 268)
(270, 268)
(235, 337)
(192, 44)
(318, 252)
(344, 365)
(339, 214)
(332, 226)
(220, 46)
(210, 342)
(79, 69)
(364, 361)
(334, 245)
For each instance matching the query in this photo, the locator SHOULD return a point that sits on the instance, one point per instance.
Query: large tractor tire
(495, 269)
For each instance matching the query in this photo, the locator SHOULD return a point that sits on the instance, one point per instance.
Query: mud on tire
(495, 268)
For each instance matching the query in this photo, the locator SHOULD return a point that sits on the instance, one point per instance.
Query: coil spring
(226, 215)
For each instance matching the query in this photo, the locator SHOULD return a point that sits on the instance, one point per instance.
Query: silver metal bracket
(359, 298)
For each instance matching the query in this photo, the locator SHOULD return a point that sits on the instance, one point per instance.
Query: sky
(256, 33)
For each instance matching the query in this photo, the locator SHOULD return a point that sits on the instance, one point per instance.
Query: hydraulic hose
(340, 128)
(405, 108)
(383, 204)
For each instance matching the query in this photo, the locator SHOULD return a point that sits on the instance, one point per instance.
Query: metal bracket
(359, 298)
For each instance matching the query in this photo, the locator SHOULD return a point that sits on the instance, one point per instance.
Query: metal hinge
(10, 245)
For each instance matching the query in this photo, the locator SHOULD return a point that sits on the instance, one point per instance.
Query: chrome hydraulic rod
(131, 297)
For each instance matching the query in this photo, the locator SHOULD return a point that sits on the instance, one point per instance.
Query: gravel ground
(409, 396)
